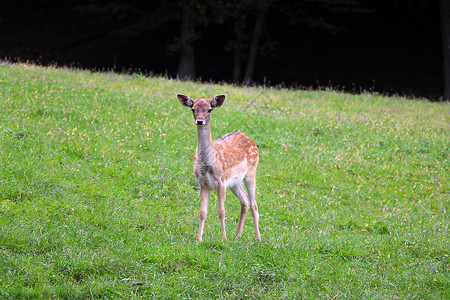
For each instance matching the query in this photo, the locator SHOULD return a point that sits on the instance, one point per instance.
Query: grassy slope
(98, 197)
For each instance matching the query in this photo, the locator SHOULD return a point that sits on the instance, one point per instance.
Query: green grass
(98, 197)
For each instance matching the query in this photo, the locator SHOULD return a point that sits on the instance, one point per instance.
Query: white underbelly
(212, 178)
(237, 174)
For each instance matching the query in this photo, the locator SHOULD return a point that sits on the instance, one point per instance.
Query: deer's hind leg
(250, 183)
(242, 195)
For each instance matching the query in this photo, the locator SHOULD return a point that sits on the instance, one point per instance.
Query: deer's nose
(200, 122)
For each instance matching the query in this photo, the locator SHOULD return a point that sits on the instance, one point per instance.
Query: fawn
(229, 162)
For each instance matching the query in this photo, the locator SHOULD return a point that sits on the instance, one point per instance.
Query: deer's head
(201, 108)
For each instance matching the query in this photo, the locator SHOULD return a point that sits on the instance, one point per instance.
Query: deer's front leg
(221, 193)
(204, 195)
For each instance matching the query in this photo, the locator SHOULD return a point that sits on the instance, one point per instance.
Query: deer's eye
(209, 110)
(193, 111)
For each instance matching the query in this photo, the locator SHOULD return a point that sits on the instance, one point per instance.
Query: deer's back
(237, 154)
(234, 156)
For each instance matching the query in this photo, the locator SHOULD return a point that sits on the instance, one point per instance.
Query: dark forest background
(391, 47)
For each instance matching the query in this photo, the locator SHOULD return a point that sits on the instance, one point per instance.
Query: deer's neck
(204, 144)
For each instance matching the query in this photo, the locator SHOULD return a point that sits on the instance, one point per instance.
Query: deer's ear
(185, 100)
(217, 101)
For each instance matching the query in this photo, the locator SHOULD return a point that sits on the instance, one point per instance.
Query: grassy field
(98, 198)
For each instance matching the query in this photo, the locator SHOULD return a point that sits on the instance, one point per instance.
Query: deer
(229, 162)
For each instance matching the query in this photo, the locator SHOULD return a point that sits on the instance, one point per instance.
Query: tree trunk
(254, 44)
(186, 66)
(236, 67)
(445, 33)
